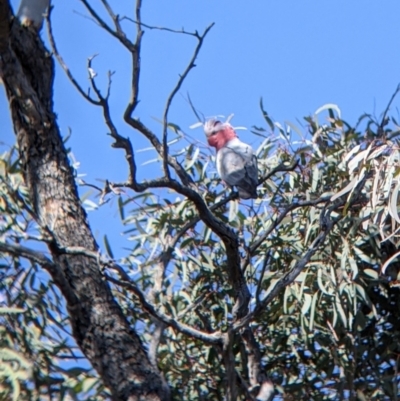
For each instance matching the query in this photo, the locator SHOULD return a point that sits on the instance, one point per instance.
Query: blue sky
(297, 55)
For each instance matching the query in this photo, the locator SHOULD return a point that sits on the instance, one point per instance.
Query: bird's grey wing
(248, 184)
(230, 166)
(252, 170)
(235, 171)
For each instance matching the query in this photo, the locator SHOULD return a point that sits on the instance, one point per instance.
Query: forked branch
(178, 85)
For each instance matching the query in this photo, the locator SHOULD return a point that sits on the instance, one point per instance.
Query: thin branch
(281, 168)
(61, 61)
(214, 338)
(195, 304)
(175, 91)
(182, 31)
(125, 282)
(133, 102)
(103, 100)
(118, 35)
(326, 226)
(194, 109)
(279, 219)
(383, 121)
(114, 17)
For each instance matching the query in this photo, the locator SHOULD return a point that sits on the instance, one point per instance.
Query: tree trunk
(98, 324)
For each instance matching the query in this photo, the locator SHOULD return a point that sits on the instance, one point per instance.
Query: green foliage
(38, 356)
(331, 334)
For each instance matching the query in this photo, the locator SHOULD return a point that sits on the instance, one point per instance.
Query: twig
(278, 220)
(194, 109)
(326, 226)
(195, 304)
(383, 121)
(281, 168)
(182, 31)
(120, 35)
(214, 338)
(133, 102)
(62, 63)
(178, 85)
(114, 17)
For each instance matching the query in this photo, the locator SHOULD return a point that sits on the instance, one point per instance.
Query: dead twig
(175, 90)
(62, 62)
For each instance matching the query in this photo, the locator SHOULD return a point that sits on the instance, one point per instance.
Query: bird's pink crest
(218, 134)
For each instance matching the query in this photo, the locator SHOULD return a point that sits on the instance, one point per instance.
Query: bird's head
(217, 133)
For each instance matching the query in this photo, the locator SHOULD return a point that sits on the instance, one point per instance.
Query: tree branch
(151, 27)
(326, 226)
(383, 121)
(255, 245)
(126, 282)
(61, 60)
(120, 35)
(281, 168)
(174, 92)
(213, 339)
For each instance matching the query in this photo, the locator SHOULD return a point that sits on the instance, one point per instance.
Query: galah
(236, 162)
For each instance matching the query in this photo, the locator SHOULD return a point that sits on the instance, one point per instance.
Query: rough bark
(98, 324)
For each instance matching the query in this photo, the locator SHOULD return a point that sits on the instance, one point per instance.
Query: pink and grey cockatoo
(236, 163)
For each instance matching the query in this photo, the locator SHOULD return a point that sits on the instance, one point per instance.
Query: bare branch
(151, 27)
(114, 17)
(120, 35)
(103, 100)
(174, 92)
(133, 102)
(383, 121)
(194, 109)
(214, 338)
(62, 63)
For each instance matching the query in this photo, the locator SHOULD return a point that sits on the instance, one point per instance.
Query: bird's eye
(216, 122)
